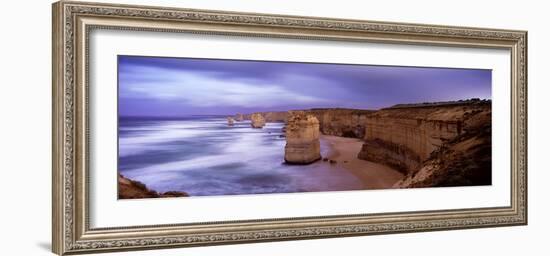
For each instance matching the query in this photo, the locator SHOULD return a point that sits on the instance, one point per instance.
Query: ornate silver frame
(72, 21)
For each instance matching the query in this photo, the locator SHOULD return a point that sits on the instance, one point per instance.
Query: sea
(204, 156)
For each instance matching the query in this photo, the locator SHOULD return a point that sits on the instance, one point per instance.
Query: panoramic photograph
(211, 127)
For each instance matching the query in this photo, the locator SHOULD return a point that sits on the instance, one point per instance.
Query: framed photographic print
(179, 127)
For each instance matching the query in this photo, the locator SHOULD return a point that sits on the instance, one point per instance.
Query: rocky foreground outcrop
(257, 120)
(432, 144)
(131, 189)
(302, 138)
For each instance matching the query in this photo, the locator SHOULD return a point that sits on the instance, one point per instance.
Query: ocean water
(203, 156)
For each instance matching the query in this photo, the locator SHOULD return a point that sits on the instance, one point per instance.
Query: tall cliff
(342, 122)
(270, 117)
(463, 160)
(412, 138)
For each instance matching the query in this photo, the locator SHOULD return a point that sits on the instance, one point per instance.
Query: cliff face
(270, 117)
(407, 139)
(302, 139)
(342, 122)
(338, 122)
(403, 138)
(280, 116)
(463, 160)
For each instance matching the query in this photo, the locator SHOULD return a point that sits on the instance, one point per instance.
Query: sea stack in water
(257, 120)
(230, 121)
(302, 138)
(239, 117)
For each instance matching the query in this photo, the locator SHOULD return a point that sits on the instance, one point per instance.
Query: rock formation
(460, 161)
(332, 121)
(341, 122)
(432, 144)
(131, 189)
(270, 117)
(230, 121)
(396, 156)
(302, 138)
(257, 120)
(239, 117)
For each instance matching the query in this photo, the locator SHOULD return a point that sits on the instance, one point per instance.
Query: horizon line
(419, 104)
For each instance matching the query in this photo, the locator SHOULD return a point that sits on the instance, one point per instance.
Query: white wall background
(25, 149)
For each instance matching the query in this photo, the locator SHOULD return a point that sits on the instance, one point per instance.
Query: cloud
(203, 89)
(186, 86)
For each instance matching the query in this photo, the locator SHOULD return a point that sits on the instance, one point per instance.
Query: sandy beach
(374, 176)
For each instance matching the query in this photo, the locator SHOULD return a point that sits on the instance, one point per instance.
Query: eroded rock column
(302, 139)
(257, 120)
(230, 121)
(239, 117)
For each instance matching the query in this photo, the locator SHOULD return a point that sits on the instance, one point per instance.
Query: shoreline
(373, 176)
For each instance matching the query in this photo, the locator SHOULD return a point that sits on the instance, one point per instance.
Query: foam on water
(205, 156)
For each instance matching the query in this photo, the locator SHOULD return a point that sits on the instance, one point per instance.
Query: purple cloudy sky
(153, 86)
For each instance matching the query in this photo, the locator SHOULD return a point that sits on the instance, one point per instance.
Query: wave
(207, 157)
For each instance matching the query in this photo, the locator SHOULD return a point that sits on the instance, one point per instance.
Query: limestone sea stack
(257, 120)
(230, 121)
(239, 117)
(302, 138)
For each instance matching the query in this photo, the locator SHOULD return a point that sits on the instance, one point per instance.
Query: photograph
(210, 127)
(195, 126)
